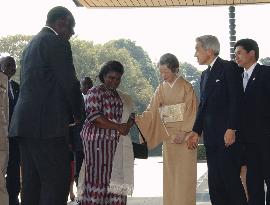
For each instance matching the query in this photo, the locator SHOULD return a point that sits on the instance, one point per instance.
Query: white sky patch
(157, 30)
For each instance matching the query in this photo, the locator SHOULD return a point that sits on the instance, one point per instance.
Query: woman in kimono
(169, 119)
(101, 136)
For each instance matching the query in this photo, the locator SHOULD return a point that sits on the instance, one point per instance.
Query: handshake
(124, 128)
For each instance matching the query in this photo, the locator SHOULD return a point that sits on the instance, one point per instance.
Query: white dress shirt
(213, 62)
(247, 73)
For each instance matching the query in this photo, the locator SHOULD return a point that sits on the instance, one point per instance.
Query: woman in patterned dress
(100, 135)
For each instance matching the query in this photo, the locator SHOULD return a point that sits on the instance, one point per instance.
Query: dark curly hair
(110, 66)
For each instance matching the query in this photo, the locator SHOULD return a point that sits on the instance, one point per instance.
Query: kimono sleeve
(150, 123)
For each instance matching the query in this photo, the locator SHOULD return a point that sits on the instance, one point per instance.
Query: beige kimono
(172, 111)
(3, 137)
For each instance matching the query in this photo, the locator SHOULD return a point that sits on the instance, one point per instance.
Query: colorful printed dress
(99, 146)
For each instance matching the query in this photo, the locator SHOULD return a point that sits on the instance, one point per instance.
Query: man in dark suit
(8, 66)
(217, 118)
(255, 120)
(50, 93)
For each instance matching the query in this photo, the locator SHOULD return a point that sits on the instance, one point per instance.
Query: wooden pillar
(232, 30)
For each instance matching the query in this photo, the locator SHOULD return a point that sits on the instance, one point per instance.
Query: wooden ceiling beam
(162, 3)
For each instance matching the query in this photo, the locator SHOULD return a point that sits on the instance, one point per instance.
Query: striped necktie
(245, 79)
(10, 91)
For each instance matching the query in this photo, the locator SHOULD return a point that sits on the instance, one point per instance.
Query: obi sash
(172, 113)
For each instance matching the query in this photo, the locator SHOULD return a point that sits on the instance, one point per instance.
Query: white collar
(171, 85)
(250, 69)
(52, 29)
(211, 64)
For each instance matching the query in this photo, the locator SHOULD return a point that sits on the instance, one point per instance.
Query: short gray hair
(209, 42)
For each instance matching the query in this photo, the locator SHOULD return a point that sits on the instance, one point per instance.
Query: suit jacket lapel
(213, 76)
(252, 78)
(241, 73)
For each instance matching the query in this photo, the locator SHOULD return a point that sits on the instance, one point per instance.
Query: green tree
(265, 61)
(192, 75)
(13, 46)
(133, 81)
(88, 58)
(141, 56)
(84, 58)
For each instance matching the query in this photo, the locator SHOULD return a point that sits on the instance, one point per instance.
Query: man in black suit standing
(49, 95)
(255, 120)
(8, 66)
(217, 119)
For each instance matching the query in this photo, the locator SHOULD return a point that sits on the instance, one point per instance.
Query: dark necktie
(10, 95)
(206, 75)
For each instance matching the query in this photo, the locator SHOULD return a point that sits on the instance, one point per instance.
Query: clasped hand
(179, 138)
(229, 137)
(192, 140)
(124, 128)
